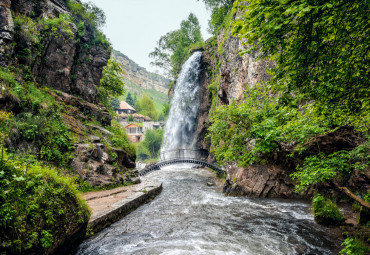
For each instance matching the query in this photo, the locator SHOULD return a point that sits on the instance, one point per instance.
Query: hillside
(57, 137)
(139, 81)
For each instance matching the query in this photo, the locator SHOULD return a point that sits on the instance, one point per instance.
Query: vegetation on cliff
(319, 85)
(313, 115)
(41, 127)
(219, 10)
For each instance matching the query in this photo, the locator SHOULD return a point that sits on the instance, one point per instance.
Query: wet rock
(136, 180)
(211, 183)
(94, 164)
(301, 249)
(65, 65)
(260, 181)
(124, 159)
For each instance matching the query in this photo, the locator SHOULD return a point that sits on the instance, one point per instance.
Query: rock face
(64, 64)
(259, 181)
(234, 72)
(72, 63)
(6, 31)
(230, 74)
(95, 165)
(140, 76)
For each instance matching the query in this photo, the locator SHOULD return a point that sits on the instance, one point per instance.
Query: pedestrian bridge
(181, 156)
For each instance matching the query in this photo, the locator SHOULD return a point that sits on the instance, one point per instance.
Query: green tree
(114, 103)
(145, 105)
(165, 110)
(153, 141)
(129, 99)
(219, 9)
(212, 4)
(172, 48)
(87, 11)
(111, 85)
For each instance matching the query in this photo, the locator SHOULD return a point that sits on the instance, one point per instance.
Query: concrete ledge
(142, 194)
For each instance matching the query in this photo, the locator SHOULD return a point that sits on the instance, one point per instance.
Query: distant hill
(139, 81)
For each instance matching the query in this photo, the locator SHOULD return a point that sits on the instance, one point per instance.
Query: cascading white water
(181, 123)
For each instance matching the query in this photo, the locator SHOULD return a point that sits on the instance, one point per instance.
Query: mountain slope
(139, 81)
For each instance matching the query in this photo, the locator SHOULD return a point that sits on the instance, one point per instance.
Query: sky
(134, 26)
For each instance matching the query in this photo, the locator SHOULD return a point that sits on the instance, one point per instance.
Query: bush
(354, 247)
(89, 19)
(119, 138)
(326, 212)
(151, 145)
(37, 207)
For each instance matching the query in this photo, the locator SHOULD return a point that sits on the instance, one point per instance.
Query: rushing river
(189, 217)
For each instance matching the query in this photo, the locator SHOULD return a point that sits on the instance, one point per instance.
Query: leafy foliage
(88, 11)
(37, 206)
(119, 138)
(321, 50)
(40, 123)
(319, 83)
(249, 132)
(219, 10)
(165, 110)
(151, 145)
(354, 247)
(129, 99)
(321, 167)
(146, 106)
(111, 85)
(114, 103)
(172, 48)
(325, 211)
(89, 19)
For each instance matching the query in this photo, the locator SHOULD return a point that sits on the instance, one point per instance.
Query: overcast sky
(134, 26)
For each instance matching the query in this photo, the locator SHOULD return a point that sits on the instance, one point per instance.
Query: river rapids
(189, 217)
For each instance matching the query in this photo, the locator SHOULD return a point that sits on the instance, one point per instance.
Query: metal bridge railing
(171, 157)
(183, 154)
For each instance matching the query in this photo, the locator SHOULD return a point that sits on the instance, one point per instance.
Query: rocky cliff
(66, 61)
(226, 75)
(42, 44)
(225, 79)
(54, 133)
(140, 76)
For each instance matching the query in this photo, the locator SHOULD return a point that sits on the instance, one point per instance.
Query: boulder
(260, 181)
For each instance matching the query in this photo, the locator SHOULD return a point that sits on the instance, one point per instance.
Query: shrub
(89, 19)
(354, 247)
(326, 212)
(119, 138)
(37, 207)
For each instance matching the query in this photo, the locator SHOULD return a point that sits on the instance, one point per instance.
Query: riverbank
(111, 205)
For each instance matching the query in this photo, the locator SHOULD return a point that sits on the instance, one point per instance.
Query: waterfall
(182, 120)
